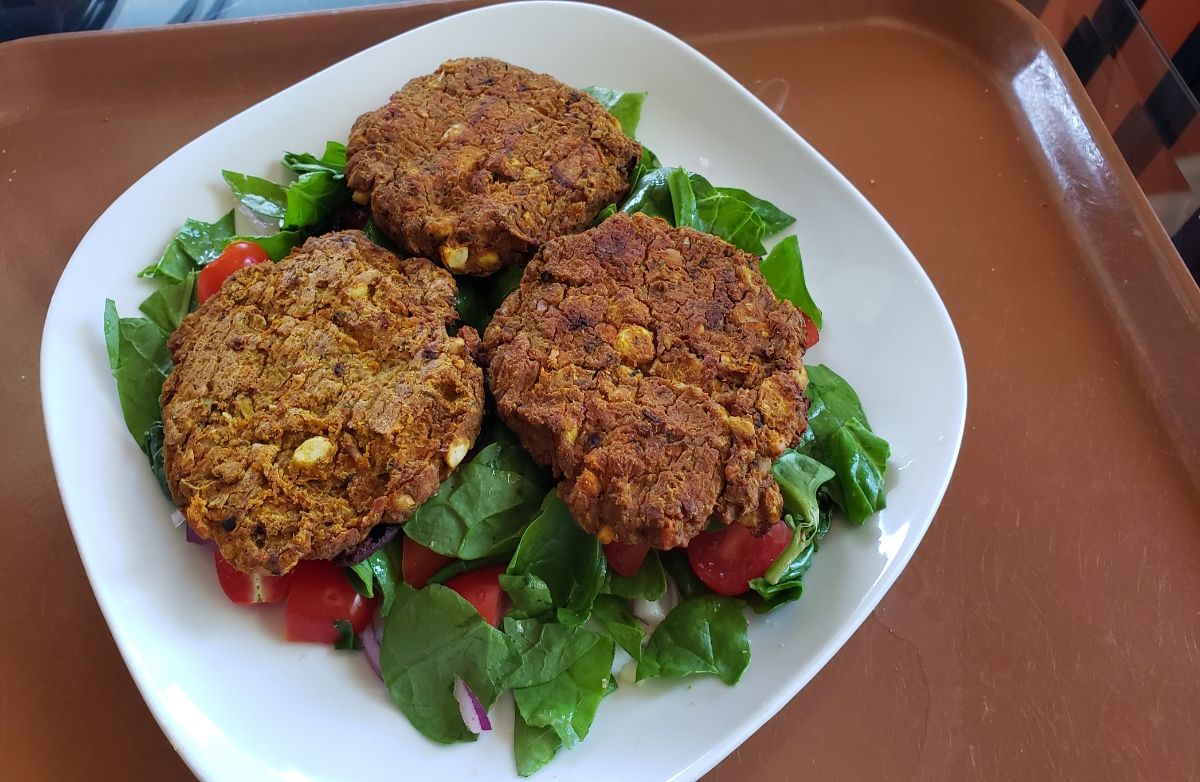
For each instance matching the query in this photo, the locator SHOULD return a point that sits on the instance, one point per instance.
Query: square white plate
(240, 703)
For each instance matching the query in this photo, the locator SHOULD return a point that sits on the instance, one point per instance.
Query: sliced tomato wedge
(727, 560)
(235, 256)
(320, 596)
(247, 589)
(418, 563)
(626, 558)
(811, 334)
(481, 588)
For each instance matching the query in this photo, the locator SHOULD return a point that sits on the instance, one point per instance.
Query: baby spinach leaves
(557, 569)
(705, 634)
(431, 637)
(195, 244)
(625, 106)
(839, 436)
(784, 271)
(482, 509)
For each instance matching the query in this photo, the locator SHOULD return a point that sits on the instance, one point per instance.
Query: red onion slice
(474, 716)
(178, 520)
(193, 537)
(371, 640)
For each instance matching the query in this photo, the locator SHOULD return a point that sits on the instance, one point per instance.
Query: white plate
(240, 703)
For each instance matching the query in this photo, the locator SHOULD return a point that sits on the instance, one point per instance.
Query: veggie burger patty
(315, 398)
(655, 371)
(481, 162)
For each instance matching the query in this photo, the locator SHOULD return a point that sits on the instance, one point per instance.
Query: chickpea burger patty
(654, 370)
(481, 162)
(316, 398)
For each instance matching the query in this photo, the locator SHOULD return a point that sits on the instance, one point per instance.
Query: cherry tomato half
(811, 335)
(727, 560)
(245, 589)
(320, 596)
(418, 563)
(481, 588)
(235, 256)
(625, 558)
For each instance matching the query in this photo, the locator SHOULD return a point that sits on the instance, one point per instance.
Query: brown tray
(1046, 628)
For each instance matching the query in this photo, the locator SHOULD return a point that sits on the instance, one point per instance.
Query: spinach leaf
(836, 401)
(430, 637)
(140, 361)
(204, 241)
(774, 219)
(676, 564)
(505, 283)
(727, 216)
(568, 563)
(683, 199)
(167, 306)
(332, 161)
(196, 244)
(625, 106)
(260, 195)
(562, 676)
(839, 436)
(801, 538)
(471, 300)
(799, 476)
(535, 747)
(478, 297)
(484, 506)
(641, 193)
(651, 195)
(788, 586)
(704, 634)
(361, 578)
(379, 572)
(784, 270)
(530, 595)
(173, 265)
(380, 238)
(567, 702)
(312, 198)
(859, 457)
(688, 199)
(649, 583)
(608, 212)
(647, 162)
(618, 622)
(545, 650)
(347, 640)
(305, 203)
(152, 445)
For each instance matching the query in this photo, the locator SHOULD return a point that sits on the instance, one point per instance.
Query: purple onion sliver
(474, 716)
(177, 519)
(192, 537)
(370, 642)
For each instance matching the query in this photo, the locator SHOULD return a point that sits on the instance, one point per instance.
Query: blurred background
(1139, 59)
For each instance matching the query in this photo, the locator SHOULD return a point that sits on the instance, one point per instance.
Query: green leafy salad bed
(573, 617)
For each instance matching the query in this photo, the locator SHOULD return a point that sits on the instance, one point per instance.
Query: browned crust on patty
(314, 398)
(654, 370)
(481, 162)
